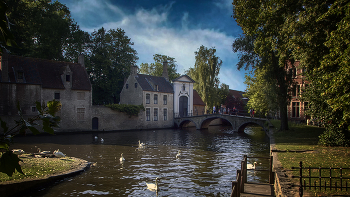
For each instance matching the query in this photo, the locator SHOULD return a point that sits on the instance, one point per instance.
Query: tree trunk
(284, 116)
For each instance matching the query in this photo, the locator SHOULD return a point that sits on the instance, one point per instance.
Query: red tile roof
(197, 99)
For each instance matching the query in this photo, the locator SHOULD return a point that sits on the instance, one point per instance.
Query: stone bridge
(238, 123)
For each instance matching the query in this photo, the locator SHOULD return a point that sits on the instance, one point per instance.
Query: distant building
(155, 94)
(296, 108)
(198, 105)
(183, 96)
(235, 99)
(28, 80)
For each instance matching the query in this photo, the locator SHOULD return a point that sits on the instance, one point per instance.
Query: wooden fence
(319, 178)
(241, 178)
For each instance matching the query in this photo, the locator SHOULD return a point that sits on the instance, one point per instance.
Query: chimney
(4, 66)
(81, 60)
(165, 70)
(133, 70)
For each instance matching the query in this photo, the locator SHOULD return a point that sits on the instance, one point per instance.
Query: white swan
(141, 145)
(102, 140)
(43, 152)
(58, 153)
(153, 186)
(121, 158)
(18, 151)
(96, 138)
(178, 155)
(251, 166)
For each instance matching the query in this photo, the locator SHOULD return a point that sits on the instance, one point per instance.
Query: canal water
(207, 166)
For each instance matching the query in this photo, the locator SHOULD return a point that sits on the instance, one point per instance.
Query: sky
(174, 28)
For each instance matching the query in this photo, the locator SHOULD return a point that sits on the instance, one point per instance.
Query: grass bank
(38, 168)
(301, 138)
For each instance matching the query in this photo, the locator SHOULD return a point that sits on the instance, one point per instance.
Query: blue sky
(174, 28)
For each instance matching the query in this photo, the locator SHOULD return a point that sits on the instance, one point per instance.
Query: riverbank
(300, 144)
(39, 173)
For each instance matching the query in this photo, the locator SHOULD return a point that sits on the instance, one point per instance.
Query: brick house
(296, 108)
(155, 94)
(28, 80)
(198, 104)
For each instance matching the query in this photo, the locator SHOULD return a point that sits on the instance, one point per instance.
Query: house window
(68, 78)
(156, 99)
(135, 85)
(295, 110)
(165, 99)
(20, 74)
(34, 109)
(148, 99)
(80, 114)
(165, 112)
(57, 96)
(298, 90)
(156, 88)
(126, 86)
(148, 114)
(294, 72)
(81, 95)
(295, 90)
(155, 118)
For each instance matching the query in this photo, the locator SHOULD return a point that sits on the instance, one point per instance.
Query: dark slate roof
(237, 94)
(197, 99)
(47, 72)
(148, 83)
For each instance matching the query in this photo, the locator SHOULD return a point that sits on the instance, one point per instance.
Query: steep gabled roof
(184, 78)
(149, 83)
(197, 99)
(47, 72)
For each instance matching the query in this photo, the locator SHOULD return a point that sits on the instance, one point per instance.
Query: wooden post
(301, 179)
(271, 174)
(244, 168)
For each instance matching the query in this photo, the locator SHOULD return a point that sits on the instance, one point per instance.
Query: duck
(141, 145)
(178, 155)
(153, 186)
(18, 151)
(251, 166)
(43, 152)
(58, 153)
(121, 158)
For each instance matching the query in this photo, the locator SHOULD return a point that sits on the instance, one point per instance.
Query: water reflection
(208, 163)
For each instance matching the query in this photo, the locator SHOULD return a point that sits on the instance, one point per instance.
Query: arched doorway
(183, 104)
(95, 123)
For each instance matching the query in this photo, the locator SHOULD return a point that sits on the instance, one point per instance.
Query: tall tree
(156, 68)
(205, 73)
(111, 58)
(40, 28)
(261, 22)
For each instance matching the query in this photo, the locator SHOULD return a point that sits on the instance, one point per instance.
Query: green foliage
(6, 37)
(131, 110)
(110, 62)
(156, 68)
(46, 115)
(205, 73)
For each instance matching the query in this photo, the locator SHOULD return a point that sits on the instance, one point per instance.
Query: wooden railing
(241, 178)
(318, 178)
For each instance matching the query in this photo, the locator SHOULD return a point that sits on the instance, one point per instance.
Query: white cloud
(151, 33)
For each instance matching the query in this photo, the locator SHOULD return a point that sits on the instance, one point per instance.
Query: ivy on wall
(131, 110)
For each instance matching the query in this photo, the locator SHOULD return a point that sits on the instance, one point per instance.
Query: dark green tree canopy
(156, 68)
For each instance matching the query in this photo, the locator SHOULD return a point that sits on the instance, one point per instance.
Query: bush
(131, 110)
(333, 137)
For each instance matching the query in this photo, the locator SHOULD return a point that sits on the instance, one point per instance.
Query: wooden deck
(257, 189)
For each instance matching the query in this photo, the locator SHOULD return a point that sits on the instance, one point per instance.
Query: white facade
(183, 96)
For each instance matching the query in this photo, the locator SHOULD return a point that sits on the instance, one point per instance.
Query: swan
(141, 145)
(58, 153)
(251, 166)
(152, 186)
(43, 152)
(18, 151)
(121, 158)
(178, 155)
(102, 140)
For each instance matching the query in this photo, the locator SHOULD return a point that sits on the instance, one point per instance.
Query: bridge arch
(204, 124)
(242, 126)
(186, 122)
